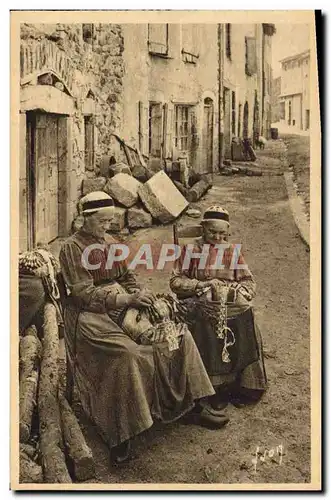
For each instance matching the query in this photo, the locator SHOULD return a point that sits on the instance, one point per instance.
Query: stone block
(161, 198)
(123, 188)
(90, 185)
(138, 217)
(118, 221)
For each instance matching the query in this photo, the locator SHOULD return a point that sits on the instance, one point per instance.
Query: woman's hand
(141, 299)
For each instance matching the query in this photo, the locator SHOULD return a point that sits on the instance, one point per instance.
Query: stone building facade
(246, 81)
(295, 92)
(170, 90)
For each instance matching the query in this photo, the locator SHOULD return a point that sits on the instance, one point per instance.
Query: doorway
(43, 177)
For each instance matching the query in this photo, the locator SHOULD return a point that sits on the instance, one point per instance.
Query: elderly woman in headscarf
(132, 363)
(215, 289)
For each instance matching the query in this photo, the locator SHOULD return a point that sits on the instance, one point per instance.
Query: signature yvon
(265, 454)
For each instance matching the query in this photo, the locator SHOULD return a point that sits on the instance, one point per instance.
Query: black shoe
(121, 453)
(207, 417)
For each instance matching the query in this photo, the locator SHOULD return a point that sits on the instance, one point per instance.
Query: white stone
(161, 198)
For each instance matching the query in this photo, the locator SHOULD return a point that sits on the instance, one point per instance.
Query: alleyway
(262, 221)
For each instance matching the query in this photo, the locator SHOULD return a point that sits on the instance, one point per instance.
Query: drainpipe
(220, 95)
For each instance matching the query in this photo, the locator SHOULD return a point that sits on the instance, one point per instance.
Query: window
(251, 61)
(189, 42)
(228, 40)
(233, 117)
(88, 32)
(182, 128)
(155, 129)
(158, 39)
(89, 142)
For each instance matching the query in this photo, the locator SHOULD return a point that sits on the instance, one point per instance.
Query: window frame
(180, 125)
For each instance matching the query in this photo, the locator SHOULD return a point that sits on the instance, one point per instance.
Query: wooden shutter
(251, 60)
(189, 38)
(143, 128)
(140, 125)
(158, 38)
(193, 138)
(167, 131)
(155, 132)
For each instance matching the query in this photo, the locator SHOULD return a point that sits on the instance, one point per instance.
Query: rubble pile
(146, 195)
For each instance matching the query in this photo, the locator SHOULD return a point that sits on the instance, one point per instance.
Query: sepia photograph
(165, 219)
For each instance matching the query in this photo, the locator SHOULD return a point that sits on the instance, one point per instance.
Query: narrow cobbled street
(262, 221)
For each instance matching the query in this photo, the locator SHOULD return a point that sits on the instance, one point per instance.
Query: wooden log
(30, 351)
(53, 459)
(31, 330)
(198, 190)
(28, 393)
(79, 453)
(30, 472)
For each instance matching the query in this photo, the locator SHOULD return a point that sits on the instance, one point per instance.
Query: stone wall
(86, 79)
(98, 74)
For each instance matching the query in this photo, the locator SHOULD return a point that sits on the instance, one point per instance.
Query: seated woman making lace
(215, 293)
(127, 371)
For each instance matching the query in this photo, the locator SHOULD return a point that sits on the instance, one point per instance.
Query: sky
(290, 39)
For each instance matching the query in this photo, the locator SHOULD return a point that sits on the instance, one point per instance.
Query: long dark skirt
(245, 370)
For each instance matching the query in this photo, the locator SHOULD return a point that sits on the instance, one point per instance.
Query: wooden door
(47, 178)
(207, 135)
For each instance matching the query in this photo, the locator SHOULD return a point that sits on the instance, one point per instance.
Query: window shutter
(193, 138)
(158, 38)
(228, 41)
(145, 131)
(167, 131)
(251, 61)
(189, 38)
(143, 128)
(155, 133)
(140, 125)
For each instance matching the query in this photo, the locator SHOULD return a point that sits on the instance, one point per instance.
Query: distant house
(247, 78)
(294, 96)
